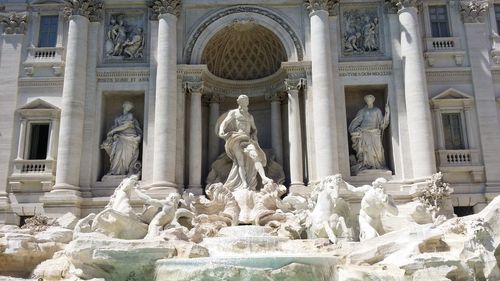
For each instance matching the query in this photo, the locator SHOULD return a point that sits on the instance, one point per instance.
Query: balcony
(457, 163)
(37, 172)
(44, 57)
(444, 51)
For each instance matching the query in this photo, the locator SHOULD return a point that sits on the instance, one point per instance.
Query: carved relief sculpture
(124, 40)
(360, 31)
(366, 131)
(122, 143)
(237, 128)
(14, 23)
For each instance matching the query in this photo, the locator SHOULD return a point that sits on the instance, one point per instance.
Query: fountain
(240, 232)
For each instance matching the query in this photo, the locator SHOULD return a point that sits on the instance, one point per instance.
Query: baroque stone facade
(67, 67)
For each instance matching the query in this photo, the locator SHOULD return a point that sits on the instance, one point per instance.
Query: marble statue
(374, 204)
(133, 48)
(118, 219)
(331, 216)
(366, 131)
(165, 216)
(237, 128)
(122, 143)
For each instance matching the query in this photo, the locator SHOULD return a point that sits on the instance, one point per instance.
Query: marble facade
(303, 64)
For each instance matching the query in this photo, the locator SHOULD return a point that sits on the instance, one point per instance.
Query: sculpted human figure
(122, 142)
(366, 131)
(237, 128)
(133, 48)
(165, 216)
(374, 204)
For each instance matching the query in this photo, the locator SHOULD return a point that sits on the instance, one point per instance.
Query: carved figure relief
(361, 31)
(125, 37)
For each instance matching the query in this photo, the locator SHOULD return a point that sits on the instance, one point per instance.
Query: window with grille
(48, 31)
(439, 21)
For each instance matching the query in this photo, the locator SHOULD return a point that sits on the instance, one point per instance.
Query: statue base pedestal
(367, 176)
(107, 185)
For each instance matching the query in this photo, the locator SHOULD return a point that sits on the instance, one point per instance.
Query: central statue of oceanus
(237, 128)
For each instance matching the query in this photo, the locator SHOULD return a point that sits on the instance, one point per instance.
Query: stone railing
(44, 57)
(467, 157)
(34, 167)
(442, 44)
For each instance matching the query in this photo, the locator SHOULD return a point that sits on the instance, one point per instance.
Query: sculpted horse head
(384, 200)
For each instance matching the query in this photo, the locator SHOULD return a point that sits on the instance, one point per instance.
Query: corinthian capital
(473, 10)
(14, 23)
(401, 4)
(317, 5)
(159, 7)
(91, 9)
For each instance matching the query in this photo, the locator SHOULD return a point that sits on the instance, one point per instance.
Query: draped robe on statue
(237, 138)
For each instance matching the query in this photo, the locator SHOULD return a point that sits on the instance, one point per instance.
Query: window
(48, 31)
(497, 16)
(439, 21)
(453, 131)
(39, 140)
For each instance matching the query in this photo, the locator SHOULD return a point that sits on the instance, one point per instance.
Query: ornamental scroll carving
(14, 23)
(91, 9)
(401, 4)
(160, 7)
(473, 10)
(317, 5)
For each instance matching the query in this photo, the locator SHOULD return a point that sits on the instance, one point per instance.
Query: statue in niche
(122, 143)
(366, 131)
(124, 41)
(361, 32)
(237, 128)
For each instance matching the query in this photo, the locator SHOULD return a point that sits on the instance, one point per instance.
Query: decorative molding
(474, 11)
(331, 6)
(449, 75)
(40, 83)
(242, 9)
(14, 23)
(193, 87)
(91, 9)
(295, 84)
(381, 68)
(122, 76)
(160, 7)
(278, 96)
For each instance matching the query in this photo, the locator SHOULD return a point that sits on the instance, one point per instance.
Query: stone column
(415, 87)
(165, 138)
(276, 127)
(213, 139)
(11, 46)
(194, 90)
(72, 112)
(323, 88)
(295, 134)
(479, 46)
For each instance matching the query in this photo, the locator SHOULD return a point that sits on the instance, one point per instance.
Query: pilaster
(276, 127)
(194, 91)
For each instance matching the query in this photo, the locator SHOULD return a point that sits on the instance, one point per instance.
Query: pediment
(452, 94)
(39, 104)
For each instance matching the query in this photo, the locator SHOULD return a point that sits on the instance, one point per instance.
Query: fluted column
(213, 140)
(294, 133)
(165, 138)
(415, 87)
(276, 126)
(322, 71)
(478, 41)
(194, 90)
(69, 153)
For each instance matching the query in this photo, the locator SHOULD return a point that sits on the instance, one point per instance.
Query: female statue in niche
(366, 131)
(122, 142)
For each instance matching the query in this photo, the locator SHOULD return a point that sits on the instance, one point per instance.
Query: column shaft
(166, 104)
(276, 131)
(322, 95)
(295, 140)
(417, 98)
(72, 113)
(213, 139)
(195, 143)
